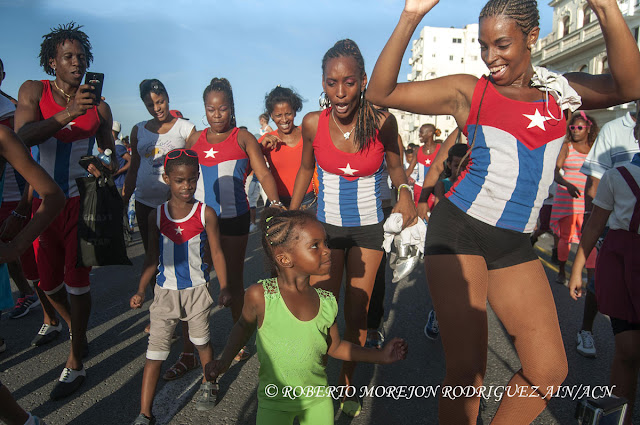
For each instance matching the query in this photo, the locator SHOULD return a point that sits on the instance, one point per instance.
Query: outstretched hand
(419, 7)
(394, 350)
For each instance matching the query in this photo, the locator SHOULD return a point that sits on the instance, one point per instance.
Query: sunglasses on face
(578, 127)
(177, 153)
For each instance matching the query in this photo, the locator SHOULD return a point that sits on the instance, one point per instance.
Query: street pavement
(117, 344)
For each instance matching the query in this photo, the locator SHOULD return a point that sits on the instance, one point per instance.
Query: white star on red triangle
(348, 170)
(210, 153)
(537, 120)
(427, 162)
(179, 230)
(68, 126)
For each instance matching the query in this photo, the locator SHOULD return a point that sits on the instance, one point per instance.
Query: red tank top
(284, 163)
(348, 165)
(82, 127)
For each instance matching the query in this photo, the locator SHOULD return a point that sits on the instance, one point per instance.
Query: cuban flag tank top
(59, 155)
(223, 171)
(182, 244)
(513, 159)
(349, 184)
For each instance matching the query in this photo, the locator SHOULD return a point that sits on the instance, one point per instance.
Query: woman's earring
(362, 96)
(204, 120)
(323, 100)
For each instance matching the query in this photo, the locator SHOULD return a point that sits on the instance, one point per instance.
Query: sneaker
(70, 380)
(144, 420)
(252, 228)
(24, 305)
(207, 396)
(46, 334)
(431, 329)
(586, 346)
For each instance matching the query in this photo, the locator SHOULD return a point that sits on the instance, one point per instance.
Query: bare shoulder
(210, 215)
(30, 90)
(254, 296)
(311, 120)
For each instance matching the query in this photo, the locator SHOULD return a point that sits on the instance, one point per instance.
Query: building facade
(439, 52)
(576, 44)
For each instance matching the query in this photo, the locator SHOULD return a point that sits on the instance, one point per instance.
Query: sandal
(179, 369)
(375, 339)
(243, 354)
(207, 397)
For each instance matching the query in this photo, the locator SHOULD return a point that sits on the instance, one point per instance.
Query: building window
(434, 38)
(433, 55)
(566, 21)
(586, 17)
(474, 58)
(461, 60)
(456, 41)
(473, 40)
(584, 68)
(451, 57)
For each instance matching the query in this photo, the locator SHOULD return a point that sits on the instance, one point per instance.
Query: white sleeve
(605, 196)
(599, 158)
(186, 128)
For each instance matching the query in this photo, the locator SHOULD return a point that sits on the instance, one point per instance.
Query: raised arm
(29, 124)
(308, 164)
(622, 85)
(449, 95)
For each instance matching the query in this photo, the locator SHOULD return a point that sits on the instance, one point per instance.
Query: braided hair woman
(478, 247)
(349, 142)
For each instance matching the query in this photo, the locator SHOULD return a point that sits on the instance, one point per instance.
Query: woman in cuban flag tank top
(349, 142)
(477, 247)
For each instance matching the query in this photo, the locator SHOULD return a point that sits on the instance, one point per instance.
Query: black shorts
(452, 231)
(621, 325)
(369, 237)
(236, 226)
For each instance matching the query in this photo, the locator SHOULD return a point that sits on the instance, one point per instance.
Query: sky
(256, 45)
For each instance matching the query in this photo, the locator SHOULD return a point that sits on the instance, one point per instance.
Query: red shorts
(58, 252)
(28, 259)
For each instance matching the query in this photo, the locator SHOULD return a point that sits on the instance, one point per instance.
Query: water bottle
(105, 157)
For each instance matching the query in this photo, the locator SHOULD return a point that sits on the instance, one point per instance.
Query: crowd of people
(329, 184)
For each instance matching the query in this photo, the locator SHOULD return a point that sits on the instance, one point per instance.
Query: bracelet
(18, 215)
(409, 188)
(275, 204)
(68, 112)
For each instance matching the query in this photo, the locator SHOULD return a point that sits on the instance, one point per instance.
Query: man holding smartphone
(58, 120)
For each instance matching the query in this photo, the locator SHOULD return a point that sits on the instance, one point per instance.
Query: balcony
(549, 47)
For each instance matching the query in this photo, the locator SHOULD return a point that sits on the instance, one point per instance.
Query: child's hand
(213, 369)
(137, 300)
(394, 350)
(575, 286)
(224, 299)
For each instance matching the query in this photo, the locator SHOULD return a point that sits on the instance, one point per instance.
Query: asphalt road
(110, 394)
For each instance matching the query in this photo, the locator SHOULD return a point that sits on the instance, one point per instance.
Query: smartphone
(95, 79)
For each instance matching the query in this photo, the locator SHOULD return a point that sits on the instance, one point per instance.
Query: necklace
(348, 133)
(67, 96)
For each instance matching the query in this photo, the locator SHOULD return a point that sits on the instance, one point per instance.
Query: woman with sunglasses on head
(567, 215)
(226, 154)
(349, 142)
(150, 141)
(515, 120)
(568, 204)
(283, 147)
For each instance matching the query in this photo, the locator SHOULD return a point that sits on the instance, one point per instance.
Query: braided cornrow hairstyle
(57, 36)
(279, 228)
(368, 120)
(222, 85)
(524, 12)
